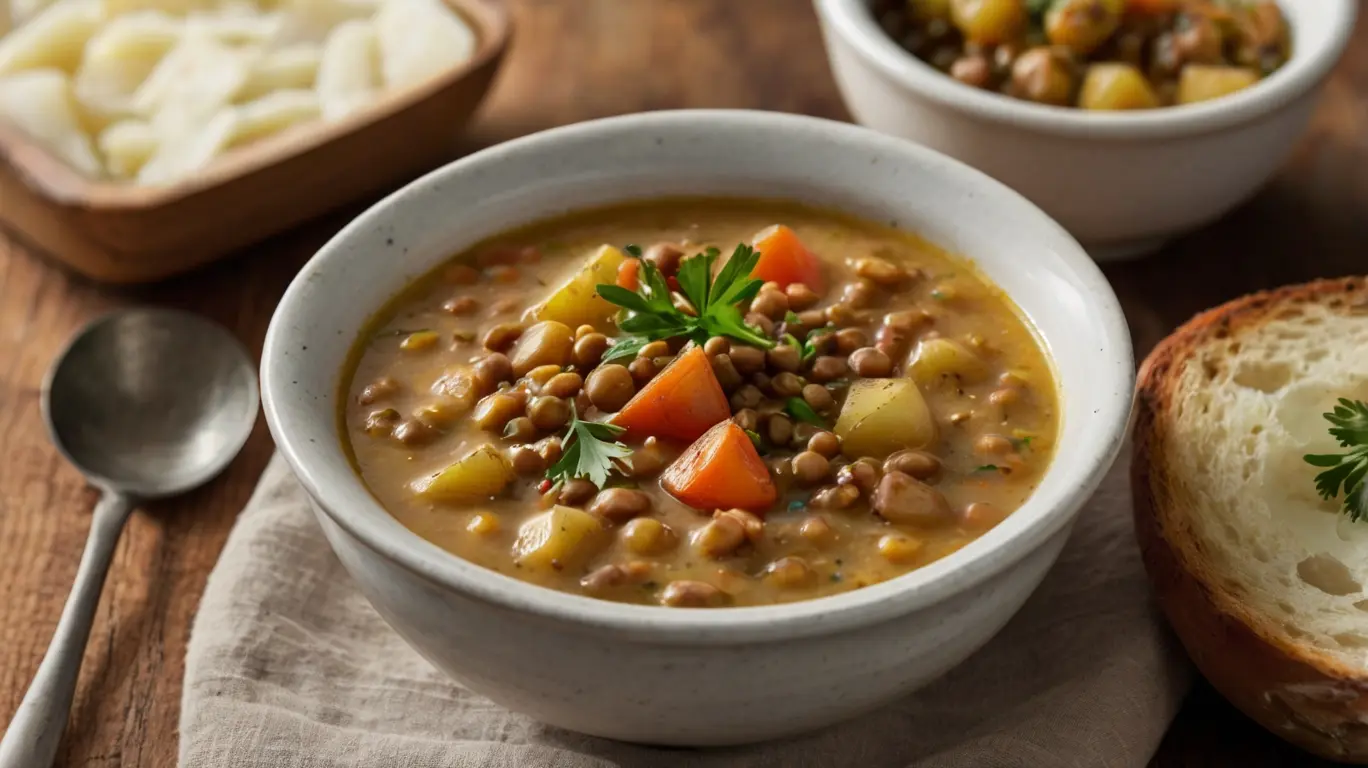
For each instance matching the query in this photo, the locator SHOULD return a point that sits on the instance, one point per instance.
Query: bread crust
(1295, 691)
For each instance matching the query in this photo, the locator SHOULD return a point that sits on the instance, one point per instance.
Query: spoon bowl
(151, 401)
(146, 403)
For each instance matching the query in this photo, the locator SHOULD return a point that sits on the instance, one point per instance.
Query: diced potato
(989, 22)
(881, 416)
(127, 145)
(576, 303)
(274, 113)
(311, 20)
(482, 473)
(191, 83)
(561, 537)
(55, 38)
(237, 26)
(39, 103)
(348, 74)
(189, 148)
(545, 343)
(936, 358)
(1200, 82)
(119, 58)
(291, 67)
(1112, 86)
(1082, 25)
(419, 39)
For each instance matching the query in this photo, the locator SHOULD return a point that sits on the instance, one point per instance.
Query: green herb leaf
(695, 278)
(622, 297)
(755, 440)
(792, 318)
(1345, 472)
(652, 315)
(632, 249)
(625, 347)
(987, 468)
(591, 452)
(799, 409)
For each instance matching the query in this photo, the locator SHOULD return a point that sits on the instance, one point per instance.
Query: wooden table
(572, 60)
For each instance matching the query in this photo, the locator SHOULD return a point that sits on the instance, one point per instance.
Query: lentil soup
(819, 404)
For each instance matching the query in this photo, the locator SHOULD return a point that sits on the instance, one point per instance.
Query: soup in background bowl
(874, 407)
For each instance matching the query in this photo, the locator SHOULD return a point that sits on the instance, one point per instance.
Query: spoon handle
(32, 738)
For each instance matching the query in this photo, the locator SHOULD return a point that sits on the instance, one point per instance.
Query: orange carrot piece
(721, 470)
(627, 274)
(784, 259)
(681, 402)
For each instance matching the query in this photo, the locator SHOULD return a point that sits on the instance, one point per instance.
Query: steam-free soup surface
(869, 406)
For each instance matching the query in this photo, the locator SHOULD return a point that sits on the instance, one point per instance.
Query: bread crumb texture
(1247, 407)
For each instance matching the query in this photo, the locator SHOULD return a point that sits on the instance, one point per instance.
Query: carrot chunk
(784, 259)
(627, 274)
(681, 402)
(721, 470)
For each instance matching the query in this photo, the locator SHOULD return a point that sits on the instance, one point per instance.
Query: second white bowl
(1122, 183)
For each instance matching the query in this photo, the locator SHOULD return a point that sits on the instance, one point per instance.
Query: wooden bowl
(122, 233)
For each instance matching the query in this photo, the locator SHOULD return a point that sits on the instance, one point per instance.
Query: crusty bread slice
(1265, 583)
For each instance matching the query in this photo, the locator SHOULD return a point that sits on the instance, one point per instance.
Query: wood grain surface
(571, 60)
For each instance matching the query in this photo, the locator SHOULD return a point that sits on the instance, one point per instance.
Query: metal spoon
(146, 403)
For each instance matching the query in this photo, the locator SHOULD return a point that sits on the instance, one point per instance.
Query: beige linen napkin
(289, 667)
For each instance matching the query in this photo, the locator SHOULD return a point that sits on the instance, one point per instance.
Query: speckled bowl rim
(853, 21)
(1027, 530)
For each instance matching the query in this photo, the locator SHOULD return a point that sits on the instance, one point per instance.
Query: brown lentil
(549, 413)
(563, 385)
(520, 430)
(863, 474)
(787, 385)
(827, 368)
(777, 429)
(870, 363)
(811, 467)
(747, 360)
(618, 505)
(610, 387)
(492, 370)
(415, 432)
(589, 349)
(577, 491)
(692, 594)
(745, 418)
(719, 537)
(761, 323)
(824, 444)
(835, 497)
(642, 370)
(501, 337)
(460, 305)
(649, 536)
(377, 390)
(881, 271)
(494, 412)
(726, 372)
(819, 397)
(800, 297)
(918, 464)
(526, 460)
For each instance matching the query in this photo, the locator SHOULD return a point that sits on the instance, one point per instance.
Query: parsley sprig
(651, 315)
(590, 450)
(1345, 471)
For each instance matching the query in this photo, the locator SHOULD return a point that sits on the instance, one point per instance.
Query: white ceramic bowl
(680, 676)
(1122, 183)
